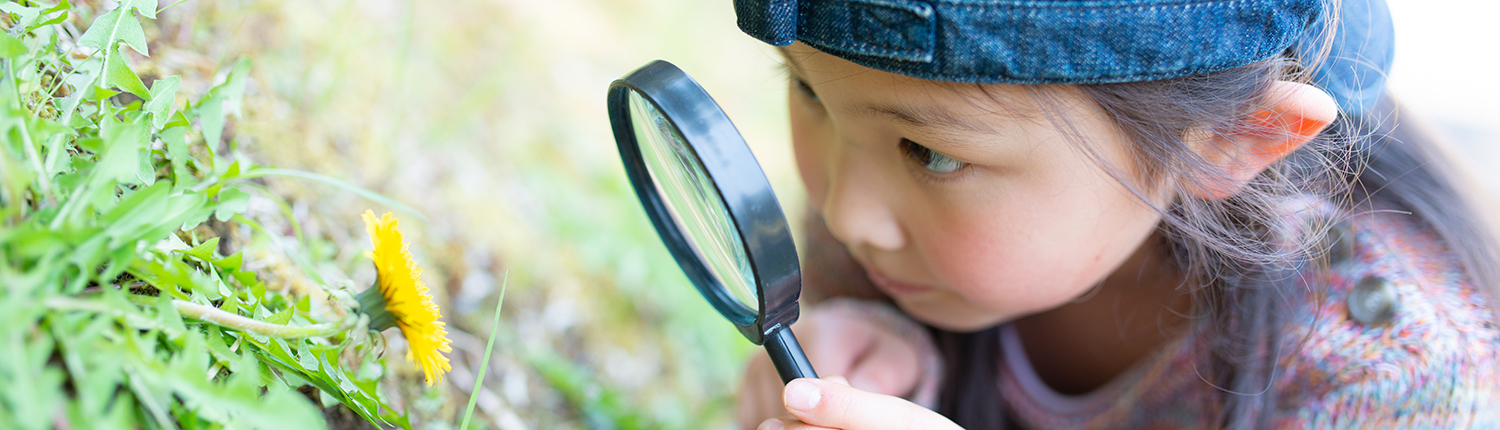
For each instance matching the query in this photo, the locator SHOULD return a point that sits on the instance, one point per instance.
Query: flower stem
(234, 321)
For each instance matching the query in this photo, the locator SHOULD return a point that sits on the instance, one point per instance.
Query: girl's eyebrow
(923, 117)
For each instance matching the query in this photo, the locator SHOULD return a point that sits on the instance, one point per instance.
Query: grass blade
(484, 364)
(336, 182)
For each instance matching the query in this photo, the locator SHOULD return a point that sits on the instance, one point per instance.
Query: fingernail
(771, 424)
(802, 395)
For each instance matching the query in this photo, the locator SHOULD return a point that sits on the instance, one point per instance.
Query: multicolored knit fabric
(1434, 364)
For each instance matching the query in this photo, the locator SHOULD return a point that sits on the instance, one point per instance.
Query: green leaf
(25, 13)
(117, 74)
(118, 24)
(95, 94)
(217, 347)
(232, 202)
(11, 47)
(231, 263)
(222, 99)
(204, 251)
(62, 15)
(280, 317)
(232, 91)
(238, 403)
(168, 317)
(178, 120)
(211, 116)
(147, 8)
(305, 358)
(193, 358)
(122, 146)
(177, 151)
(146, 174)
(163, 95)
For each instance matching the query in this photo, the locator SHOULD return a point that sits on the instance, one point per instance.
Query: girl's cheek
(809, 150)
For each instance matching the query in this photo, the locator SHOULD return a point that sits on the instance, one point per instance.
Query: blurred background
(488, 116)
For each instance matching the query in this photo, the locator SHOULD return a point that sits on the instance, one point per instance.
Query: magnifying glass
(711, 205)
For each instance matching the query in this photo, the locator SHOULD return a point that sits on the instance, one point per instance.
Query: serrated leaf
(118, 24)
(60, 11)
(223, 99)
(280, 317)
(146, 173)
(207, 285)
(123, 144)
(345, 385)
(232, 91)
(192, 359)
(177, 152)
(231, 172)
(95, 94)
(11, 47)
(168, 317)
(238, 402)
(179, 119)
(117, 74)
(204, 251)
(49, 21)
(163, 94)
(147, 8)
(26, 13)
(230, 303)
(232, 262)
(248, 278)
(232, 201)
(211, 116)
(305, 358)
(217, 347)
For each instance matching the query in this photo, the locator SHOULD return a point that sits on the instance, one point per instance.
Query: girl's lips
(892, 286)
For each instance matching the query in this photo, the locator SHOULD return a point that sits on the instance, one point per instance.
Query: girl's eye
(929, 159)
(806, 90)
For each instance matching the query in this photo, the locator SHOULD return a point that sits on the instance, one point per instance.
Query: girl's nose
(857, 206)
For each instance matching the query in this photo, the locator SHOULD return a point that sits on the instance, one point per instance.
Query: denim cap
(1084, 41)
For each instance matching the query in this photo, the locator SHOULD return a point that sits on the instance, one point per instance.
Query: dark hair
(1235, 251)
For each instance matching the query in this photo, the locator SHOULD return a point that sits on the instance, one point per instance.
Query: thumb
(834, 405)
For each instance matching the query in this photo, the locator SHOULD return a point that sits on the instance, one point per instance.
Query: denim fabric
(1359, 56)
(1066, 41)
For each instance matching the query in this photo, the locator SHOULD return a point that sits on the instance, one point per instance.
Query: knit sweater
(1433, 363)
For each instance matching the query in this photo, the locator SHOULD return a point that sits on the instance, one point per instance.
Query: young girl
(1131, 214)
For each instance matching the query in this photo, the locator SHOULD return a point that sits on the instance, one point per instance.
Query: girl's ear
(1298, 112)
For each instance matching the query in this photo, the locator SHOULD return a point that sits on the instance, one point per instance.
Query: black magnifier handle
(786, 354)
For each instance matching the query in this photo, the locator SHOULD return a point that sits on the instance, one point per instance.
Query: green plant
(136, 288)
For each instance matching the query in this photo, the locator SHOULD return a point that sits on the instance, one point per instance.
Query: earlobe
(1296, 114)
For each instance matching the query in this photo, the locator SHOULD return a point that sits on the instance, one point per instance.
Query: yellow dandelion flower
(401, 300)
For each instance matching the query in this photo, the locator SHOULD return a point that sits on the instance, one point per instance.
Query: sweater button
(1373, 300)
(1338, 241)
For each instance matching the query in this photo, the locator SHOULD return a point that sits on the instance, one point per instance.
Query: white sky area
(1447, 70)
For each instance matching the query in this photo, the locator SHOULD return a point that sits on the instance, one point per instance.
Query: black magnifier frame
(746, 194)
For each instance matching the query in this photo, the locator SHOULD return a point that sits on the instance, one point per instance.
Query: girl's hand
(872, 355)
(831, 404)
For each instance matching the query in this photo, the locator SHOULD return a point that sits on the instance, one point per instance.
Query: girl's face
(965, 204)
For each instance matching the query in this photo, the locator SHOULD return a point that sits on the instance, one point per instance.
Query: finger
(788, 424)
(837, 378)
(832, 405)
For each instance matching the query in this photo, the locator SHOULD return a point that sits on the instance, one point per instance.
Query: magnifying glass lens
(693, 200)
